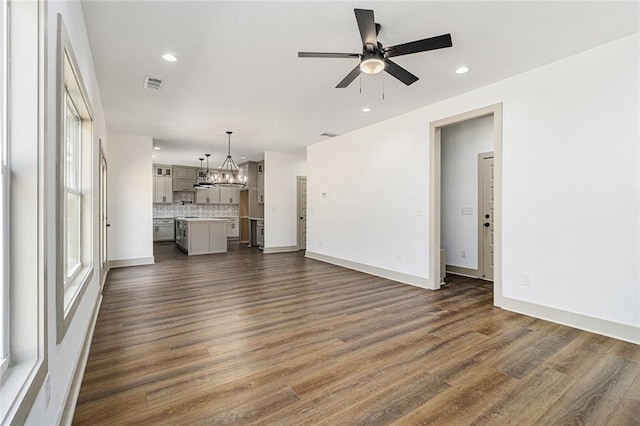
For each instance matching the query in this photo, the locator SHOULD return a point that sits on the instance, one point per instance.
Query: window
(72, 190)
(4, 287)
(74, 195)
(23, 252)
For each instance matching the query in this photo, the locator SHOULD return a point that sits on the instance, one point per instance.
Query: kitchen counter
(201, 235)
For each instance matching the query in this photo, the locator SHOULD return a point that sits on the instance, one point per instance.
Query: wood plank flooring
(247, 338)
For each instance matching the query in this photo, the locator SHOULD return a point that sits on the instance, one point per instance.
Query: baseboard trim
(123, 263)
(607, 328)
(282, 249)
(74, 390)
(464, 272)
(374, 270)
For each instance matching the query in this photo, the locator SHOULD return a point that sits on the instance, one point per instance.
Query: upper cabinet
(261, 182)
(162, 190)
(184, 173)
(229, 195)
(184, 178)
(208, 195)
(160, 170)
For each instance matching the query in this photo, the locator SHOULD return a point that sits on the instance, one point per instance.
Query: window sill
(18, 389)
(73, 292)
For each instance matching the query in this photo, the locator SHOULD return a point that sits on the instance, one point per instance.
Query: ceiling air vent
(152, 83)
(329, 134)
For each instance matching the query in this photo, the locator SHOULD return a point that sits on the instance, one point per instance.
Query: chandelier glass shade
(204, 178)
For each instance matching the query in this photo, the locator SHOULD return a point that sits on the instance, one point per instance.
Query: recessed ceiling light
(153, 156)
(462, 70)
(169, 57)
(157, 148)
(243, 157)
(366, 109)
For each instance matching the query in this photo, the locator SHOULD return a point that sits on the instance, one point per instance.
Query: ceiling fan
(375, 57)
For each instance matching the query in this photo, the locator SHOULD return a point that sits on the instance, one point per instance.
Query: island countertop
(201, 219)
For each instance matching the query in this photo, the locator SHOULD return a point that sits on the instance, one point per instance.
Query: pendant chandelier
(204, 179)
(229, 173)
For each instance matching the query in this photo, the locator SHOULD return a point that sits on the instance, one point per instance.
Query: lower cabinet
(163, 230)
(260, 233)
(233, 228)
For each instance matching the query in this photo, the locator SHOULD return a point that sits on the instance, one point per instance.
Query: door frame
(299, 211)
(435, 133)
(103, 213)
(481, 220)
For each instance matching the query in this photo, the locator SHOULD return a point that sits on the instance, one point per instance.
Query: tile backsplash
(177, 208)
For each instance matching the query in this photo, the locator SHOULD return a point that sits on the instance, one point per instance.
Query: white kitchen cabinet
(208, 195)
(260, 233)
(184, 173)
(184, 185)
(229, 195)
(261, 188)
(162, 190)
(160, 170)
(202, 236)
(163, 229)
(233, 228)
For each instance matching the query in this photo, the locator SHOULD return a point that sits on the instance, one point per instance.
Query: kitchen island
(201, 235)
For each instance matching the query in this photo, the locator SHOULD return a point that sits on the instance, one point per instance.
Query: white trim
(66, 415)
(625, 332)
(281, 249)
(463, 272)
(435, 127)
(123, 263)
(374, 270)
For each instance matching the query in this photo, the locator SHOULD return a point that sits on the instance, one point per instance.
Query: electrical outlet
(398, 258)
(463, 254)
(47, 390)
(319, 243)
(526, 280)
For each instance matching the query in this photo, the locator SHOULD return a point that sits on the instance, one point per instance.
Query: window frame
(5, 309)
(70, 289)
(24, 239)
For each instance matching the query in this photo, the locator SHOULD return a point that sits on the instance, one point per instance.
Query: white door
(302, 213)
(486, 198)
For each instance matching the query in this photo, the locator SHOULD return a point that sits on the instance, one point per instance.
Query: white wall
(461, 145)
(129, 198)
(64, 357)
(570, 198)
(280, 193)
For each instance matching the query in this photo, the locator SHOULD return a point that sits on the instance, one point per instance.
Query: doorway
(462, 231)
(435, 151)
(302, 212)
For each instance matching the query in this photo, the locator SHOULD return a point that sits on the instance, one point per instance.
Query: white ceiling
(238, 68)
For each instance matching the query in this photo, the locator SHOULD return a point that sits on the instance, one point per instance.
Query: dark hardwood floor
(247, 338)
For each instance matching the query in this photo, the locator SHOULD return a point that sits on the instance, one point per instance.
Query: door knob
(487, 224)
(107, 225)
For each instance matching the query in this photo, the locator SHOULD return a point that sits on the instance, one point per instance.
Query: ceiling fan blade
(367, 27)
(349, 78)
(400, 73)
(432, 43)
(327, 55)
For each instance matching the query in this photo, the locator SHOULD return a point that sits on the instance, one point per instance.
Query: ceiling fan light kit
(375, 57)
